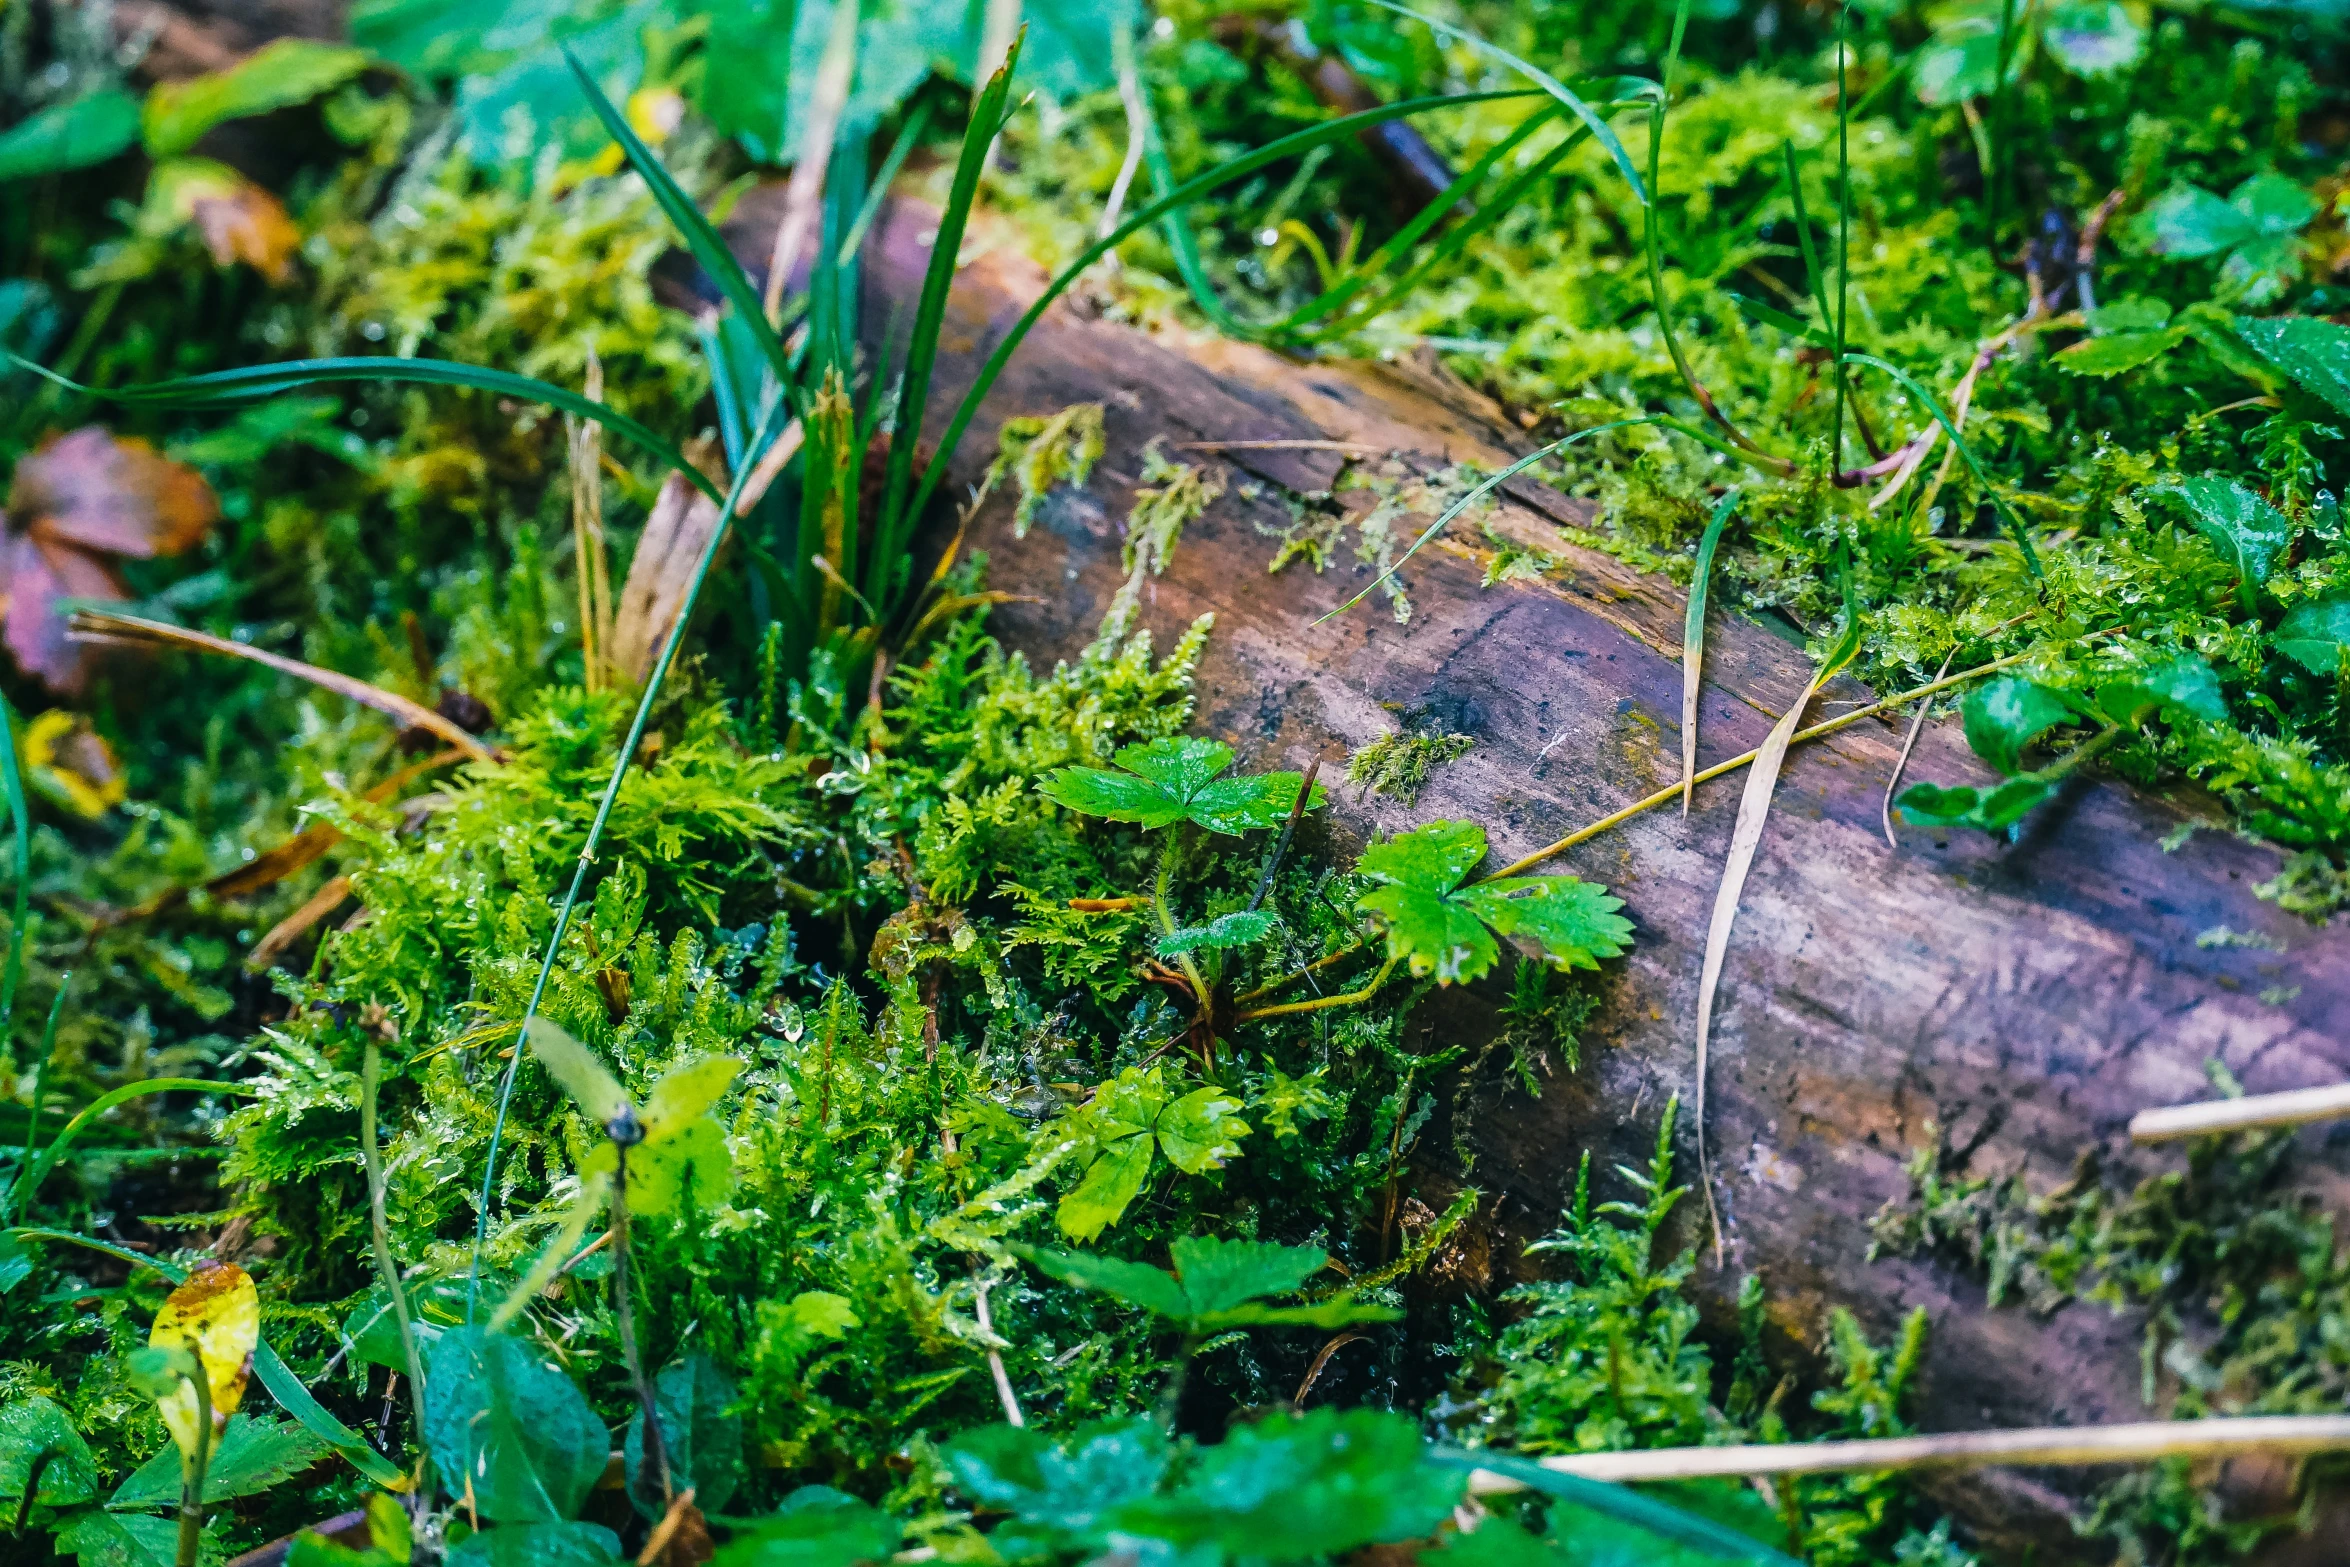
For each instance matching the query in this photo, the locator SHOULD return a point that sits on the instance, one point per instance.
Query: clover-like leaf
(2247, 531)
(1201, 1130)
(2256, 226)
(1216, 1284)
(2005, 714)
(2316, 635)
(1169, 781)
(1111, 1183)
(1436, 926)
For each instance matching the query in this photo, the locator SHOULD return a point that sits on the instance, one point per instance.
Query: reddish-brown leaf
(93, 490)
(249, 225)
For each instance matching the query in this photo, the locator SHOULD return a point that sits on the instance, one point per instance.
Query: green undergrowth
(2232, 1266)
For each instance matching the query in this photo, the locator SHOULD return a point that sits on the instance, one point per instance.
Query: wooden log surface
(2025, 999)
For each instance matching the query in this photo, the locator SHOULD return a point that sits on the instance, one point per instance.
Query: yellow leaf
(217, 1316)
(70, 762)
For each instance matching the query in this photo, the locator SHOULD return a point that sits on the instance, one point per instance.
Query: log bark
(2023, 1000)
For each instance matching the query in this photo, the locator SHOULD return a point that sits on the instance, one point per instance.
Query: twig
(1673, 790)
(1297, 809)
(2300, 1107)
(2085, 256)
(1138, 129)
(1917, 727)
(995, 1359)
(2070, 1446)
(1314, 1371)
(664, 1531)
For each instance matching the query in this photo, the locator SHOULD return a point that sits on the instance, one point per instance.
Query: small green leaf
(2316, 635)
(1992, 810)
(2184, 684)
(2274, 204)
(277, 76)
(815, 1527)
(2247, 531)
(252, 1456)
(2093, 37)
(512, 1427)
(104, 1539)
(373, 1328)
(1169, 781)
(1067, 1485)
(1201, 1130)
(2314, 352)
(1217, 1284)
(1957, 63)
(2189, 221)
(1242, 928)
(30, 1427)
(700, 1435)
(2137, 313)
(2119, 352)
(1438, 927)
(2005, 714)
(90, 129)
(537, 1545)
(1136, 1283)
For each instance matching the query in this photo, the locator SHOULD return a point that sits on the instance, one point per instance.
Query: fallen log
(2021, 1000)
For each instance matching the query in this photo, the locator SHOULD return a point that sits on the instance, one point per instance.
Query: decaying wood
(2021, 1001)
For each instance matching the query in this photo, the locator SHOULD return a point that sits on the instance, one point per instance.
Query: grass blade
(1548, 83)
(1754, 809)
(1813, 278)
(1181, 196)
(988, 113)
(769, 433)
(12, 782)
(102, 626)
(28, 1180)
(2007, 513)
(1483, 488)
(700, 238)
(255, 382)
(1693, 642)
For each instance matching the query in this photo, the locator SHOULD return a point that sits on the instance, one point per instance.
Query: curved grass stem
(1349, 999)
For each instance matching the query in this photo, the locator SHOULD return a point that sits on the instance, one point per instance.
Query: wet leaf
(815, 1527)
(216, 1315)
(2185, 684)
(2007, 713)
(1993, 810)
(700, 1435)
(2316, 635)
(2125, 334)
(90, 129)
(1243, 928)
(1201, 1130)
(1216, 1284)
(104, 1539)
(2314, 352)
(511, 1429)
(1067, 1485)
(2245, 529)
(537, 1545)
(1170, 781)
(30, 1427)
(1110, 1185)
(276, 76)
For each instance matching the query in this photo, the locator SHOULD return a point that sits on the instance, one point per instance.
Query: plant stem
(32, 1488)
(1318, 964)
(624, 1311)
(1199, 986)
(26, 1185)
(192, 1483)
(2253, 1112)
(379, 1225)
(1320, 1002)
(1673, 791)
(1843, 216)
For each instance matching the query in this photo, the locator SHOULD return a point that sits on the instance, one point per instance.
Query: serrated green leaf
(2007, 713)
(1575, 923)
(1173, 780)
(30, 1427)
(512, 1427)
(2316, 635)
(252, 1456)
(2314, 352)
(537, 1545)
(90, 129)
(1316, 1486)
(1068, 1485)
(276, 76)
(104, 1539)
(1220, 1274)
(2136, 313)
(2245, 529)
(1201, 1130)
(700, 1435)
(1242, 928)
(815, 1527)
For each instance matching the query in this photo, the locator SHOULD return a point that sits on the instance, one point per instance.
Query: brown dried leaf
(249, 225)
(37, 576)
(659, 575)
(293, 927)
(113, 495)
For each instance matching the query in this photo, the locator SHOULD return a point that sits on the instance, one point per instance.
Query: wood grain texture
(2026, 998)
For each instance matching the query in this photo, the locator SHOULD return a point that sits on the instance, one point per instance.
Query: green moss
(1397, 765)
